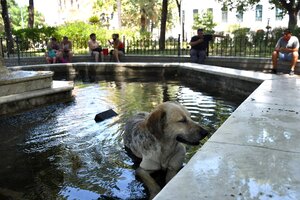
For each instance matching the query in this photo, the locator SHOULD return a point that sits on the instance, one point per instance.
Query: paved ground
(255, 154)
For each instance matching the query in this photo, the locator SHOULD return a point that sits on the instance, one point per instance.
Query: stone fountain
(24, 90)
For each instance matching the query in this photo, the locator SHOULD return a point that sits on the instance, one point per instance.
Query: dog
(156, 139)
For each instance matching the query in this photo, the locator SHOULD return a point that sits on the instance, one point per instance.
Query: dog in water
(156, 139)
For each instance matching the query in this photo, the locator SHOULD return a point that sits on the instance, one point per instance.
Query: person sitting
(118, 46)
(199, 45)
(94, 48)
(53, 54)
(286, 49)
(66, 49)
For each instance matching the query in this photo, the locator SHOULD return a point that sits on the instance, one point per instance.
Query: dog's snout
(203, 133)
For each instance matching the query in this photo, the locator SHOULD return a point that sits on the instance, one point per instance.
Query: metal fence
(236, 46)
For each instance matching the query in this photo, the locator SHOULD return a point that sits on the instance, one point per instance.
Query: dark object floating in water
(105, 115)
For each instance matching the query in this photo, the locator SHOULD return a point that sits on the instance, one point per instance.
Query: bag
(99, 49)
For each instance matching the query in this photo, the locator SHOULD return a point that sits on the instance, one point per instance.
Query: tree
(7, 26)
(30, 14)
(291, 7)
(205, 21)
(164, 14)
(145, 13)
(178, 3)
(19, 16)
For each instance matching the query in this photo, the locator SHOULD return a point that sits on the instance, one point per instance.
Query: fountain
(24, 90)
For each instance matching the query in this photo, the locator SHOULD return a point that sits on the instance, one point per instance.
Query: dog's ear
(155, 123)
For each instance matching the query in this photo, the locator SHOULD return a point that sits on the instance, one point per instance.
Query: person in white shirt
(286, 49)
(94, 47)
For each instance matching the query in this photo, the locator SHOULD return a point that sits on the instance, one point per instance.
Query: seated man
(118, 46)
(199, 45)
(286, 49)
(95, 48)
(66, 49)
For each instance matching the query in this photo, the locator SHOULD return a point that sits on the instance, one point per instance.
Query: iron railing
(237, 46)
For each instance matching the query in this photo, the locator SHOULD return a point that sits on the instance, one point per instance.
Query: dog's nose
(203, 133)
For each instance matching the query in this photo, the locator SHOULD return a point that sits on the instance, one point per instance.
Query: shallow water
(60, 152)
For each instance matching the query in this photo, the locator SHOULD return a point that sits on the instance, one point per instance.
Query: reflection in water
(60, 152)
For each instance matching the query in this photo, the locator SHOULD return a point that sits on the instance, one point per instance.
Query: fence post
(178, 44)
(124, 43)
(1, 40)
(18, 50)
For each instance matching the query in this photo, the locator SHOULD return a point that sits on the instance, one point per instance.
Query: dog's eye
(183, 120)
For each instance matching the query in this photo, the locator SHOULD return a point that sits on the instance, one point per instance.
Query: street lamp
(268, 27)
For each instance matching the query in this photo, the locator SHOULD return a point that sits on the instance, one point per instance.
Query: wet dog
(156, 139)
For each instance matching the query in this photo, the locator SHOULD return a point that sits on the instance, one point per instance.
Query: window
(195, 13)
(210, 10)
(278, 14)
(240, 16)
(224, 15)
(258, 13)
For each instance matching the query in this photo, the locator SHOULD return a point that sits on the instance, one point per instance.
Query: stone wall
(253, 64)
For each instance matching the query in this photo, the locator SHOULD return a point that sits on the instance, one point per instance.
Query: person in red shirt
(118, 46)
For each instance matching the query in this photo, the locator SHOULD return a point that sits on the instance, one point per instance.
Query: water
(60, 152)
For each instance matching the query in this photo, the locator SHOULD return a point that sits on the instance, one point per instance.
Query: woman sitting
(53, 54)
(118, 46)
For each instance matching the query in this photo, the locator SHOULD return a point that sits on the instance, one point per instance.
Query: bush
(35, 38)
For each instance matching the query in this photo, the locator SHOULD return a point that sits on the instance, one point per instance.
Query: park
(52, 148)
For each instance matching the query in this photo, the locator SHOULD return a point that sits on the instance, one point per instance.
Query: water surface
(60, 152)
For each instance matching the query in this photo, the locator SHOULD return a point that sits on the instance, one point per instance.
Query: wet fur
(155, 138)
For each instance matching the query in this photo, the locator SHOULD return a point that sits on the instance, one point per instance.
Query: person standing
(199, 45)
(94, 47)
(286, 49)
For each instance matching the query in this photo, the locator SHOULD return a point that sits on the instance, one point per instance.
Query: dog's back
(133, 137)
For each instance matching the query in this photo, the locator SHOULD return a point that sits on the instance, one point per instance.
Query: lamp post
(268, 27)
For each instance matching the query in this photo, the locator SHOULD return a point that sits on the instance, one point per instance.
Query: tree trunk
(164, 14)
(292, 19)
(119, 9)
(7, 26)
(143, 20)
(30, 14)
(178, 3)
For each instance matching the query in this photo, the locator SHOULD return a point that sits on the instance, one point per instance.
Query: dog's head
(171, 120)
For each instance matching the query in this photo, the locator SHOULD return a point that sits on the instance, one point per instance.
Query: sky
(44, 6)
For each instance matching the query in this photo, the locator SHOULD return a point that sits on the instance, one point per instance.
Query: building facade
(258, 17)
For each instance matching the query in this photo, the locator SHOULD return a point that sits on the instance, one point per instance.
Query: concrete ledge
(245, 63)
(60, 91)
(23, 81)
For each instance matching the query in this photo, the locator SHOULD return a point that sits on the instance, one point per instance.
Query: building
(259, 17)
